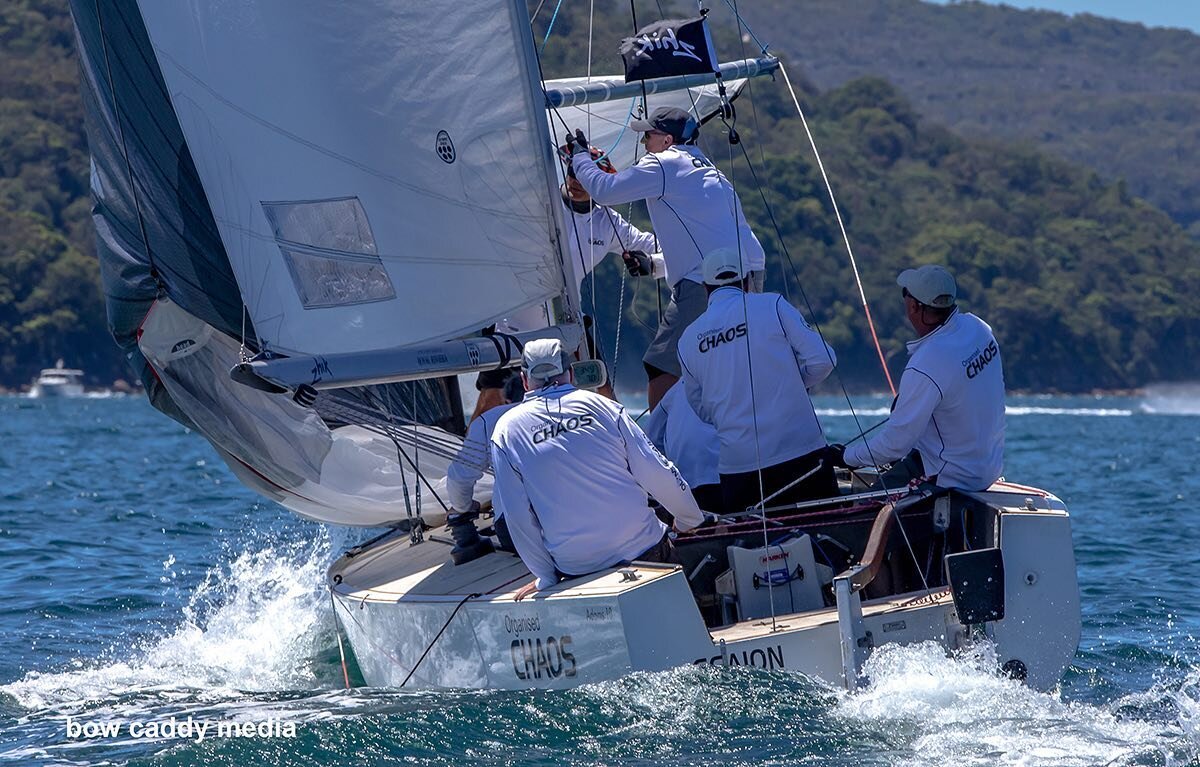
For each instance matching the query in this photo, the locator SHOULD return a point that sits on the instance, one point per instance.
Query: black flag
(668, 48)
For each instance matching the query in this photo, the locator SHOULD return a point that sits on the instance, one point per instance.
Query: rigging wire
(842, 226)
(337, 631)
(549, 29)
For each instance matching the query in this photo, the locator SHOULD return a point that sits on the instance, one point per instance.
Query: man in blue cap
(695, 210)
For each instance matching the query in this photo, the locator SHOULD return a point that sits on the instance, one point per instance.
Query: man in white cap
(694, 209)
(748, 363)
(950, 408)
(573, 472)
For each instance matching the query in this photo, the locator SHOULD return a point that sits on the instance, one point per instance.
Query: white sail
(379, 171)
(348, 475)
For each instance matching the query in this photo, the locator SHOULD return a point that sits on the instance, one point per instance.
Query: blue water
(141, 582)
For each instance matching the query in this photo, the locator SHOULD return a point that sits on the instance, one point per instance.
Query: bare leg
(657, 388)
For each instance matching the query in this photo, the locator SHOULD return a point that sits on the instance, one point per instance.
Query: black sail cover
(158, 243)
(669, 48)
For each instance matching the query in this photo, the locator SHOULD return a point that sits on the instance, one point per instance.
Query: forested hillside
(50, 300)
(1087, 285)
(1115, 96)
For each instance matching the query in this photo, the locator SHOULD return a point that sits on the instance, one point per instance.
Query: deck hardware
(941, 514)
(1029, 505)
(1031, 578)
(708, 559)
(628, 574)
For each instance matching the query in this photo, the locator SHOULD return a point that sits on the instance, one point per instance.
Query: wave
(961, 711)
(1171, 399)
(253, 625)
(1012, 410)
(1084, 411)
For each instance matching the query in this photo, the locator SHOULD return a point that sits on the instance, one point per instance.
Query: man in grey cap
(947, 423)
(573, 472)
(748, 363)
(695, 210)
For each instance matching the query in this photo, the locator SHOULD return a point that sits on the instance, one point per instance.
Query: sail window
(330, 251)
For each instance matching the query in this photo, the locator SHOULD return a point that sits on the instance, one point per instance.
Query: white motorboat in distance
(58, 381)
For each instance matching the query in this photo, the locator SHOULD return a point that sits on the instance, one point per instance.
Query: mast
(537, 101)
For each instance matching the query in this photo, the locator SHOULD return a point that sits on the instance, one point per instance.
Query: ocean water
(140, 583)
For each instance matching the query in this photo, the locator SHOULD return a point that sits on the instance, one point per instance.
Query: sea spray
(962, 710)
(257, 622)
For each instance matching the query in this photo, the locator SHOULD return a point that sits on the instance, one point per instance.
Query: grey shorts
(688, 301)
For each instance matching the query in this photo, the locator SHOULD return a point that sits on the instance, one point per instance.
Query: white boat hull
(49, 390)
(606, 626)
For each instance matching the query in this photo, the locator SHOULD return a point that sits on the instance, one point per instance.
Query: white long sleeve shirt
(690, 443)
(602, 231)
(748, 363)
(474, 459)
(950, 407)
(694, 208)
(573, 472)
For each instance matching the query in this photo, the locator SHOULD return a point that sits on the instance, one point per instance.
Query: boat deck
(395, 570)
(799, 621)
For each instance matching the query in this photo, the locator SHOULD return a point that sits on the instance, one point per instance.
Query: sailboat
(306, 215)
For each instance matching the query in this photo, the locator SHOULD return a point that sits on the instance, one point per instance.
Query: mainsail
(277, 182)
(365, 165)
(292, 180)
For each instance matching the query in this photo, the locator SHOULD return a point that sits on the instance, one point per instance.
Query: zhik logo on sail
(664, 41)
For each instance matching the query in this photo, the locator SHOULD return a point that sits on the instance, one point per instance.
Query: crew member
(694, 209)
(600, 229)
(474, 459)
(593, 231)
(748, 363)
(949, 411)
(690, 443)
(573, 472)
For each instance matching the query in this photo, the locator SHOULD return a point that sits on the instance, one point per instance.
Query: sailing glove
(638, 263)
(577, 144)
